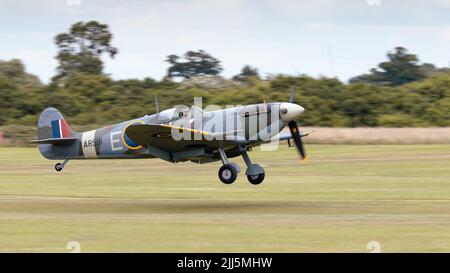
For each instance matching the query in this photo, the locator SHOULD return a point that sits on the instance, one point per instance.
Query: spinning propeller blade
(297, 139)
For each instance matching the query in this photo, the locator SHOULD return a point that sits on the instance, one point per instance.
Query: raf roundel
(128, 142)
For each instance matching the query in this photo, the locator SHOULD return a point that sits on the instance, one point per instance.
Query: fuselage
(246, 125)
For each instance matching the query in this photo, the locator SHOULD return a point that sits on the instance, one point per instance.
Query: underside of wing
(288, 136)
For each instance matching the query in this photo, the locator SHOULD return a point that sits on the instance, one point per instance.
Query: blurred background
(358, 63)
(366, 71)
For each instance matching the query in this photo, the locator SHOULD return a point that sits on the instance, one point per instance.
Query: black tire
(59, 167)
(256, 179)
(228, 174)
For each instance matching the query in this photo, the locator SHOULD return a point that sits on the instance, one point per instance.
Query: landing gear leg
(229, 171)
(255, 173)
(60, 166)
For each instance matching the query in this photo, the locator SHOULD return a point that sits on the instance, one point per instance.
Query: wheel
(59, 167)
(256, 179)
(228, 174)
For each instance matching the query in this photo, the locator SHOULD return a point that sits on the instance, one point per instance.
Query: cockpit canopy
(178, 112)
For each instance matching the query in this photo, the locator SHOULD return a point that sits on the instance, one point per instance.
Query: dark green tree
(19, 92)
(194, 63)
(80, 48)
(246, 72)
(401, 67)
(14, 70)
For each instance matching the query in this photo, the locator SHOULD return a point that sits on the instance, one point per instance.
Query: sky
(341, 38)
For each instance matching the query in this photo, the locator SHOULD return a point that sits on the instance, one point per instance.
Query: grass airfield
(343, 197)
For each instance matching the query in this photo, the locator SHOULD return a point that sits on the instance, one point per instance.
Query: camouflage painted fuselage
(112, 142)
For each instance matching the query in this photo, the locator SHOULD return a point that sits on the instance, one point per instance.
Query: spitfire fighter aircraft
(176, 135)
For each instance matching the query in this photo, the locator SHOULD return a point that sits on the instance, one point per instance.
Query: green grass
(338, 201)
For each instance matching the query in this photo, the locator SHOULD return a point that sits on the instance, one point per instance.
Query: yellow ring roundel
(128, 142)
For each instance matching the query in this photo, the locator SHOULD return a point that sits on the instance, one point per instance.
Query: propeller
(297, 138)
(293, 127)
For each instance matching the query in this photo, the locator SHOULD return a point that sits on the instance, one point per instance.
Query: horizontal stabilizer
(55, 141)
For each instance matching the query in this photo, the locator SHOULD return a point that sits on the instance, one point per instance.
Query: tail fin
(53, 126)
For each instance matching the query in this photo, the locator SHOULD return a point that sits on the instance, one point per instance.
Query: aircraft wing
(144, 133)
(158, 137)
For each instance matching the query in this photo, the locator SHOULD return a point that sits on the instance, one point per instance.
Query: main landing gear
(255, 173)
(59, 166)
(229, 171)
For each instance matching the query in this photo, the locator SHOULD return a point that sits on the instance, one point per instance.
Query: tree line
(398, 92)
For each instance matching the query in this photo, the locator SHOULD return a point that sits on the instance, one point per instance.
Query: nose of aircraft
(290, 111)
